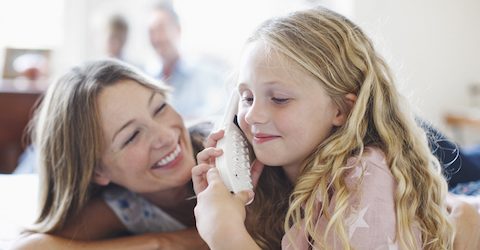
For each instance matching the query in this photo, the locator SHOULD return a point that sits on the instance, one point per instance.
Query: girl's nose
(256, 114)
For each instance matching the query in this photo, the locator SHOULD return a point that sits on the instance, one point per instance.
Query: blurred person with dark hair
(197, 85)
(117, 37)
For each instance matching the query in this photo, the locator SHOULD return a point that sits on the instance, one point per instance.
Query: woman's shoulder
(200, 129)
(198, 133)
(137, 213)
(114, 193)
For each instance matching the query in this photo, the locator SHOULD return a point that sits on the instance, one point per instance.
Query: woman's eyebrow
(150, 99)
(121, 128)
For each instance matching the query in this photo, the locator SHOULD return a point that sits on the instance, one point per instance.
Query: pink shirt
(371, 221)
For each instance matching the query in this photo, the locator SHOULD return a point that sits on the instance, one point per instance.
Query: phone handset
(234, 164)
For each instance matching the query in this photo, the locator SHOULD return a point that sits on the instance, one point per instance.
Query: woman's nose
(161, 137)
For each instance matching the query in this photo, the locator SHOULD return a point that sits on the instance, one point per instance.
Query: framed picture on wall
(32, 64)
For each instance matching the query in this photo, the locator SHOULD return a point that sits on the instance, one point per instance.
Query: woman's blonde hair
(338, 54)
(67, 134)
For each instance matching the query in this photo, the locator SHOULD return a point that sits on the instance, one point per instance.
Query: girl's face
(284, 112)
(147, 147)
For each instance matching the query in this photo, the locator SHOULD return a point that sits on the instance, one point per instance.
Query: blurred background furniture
(16, 108)
(465, 126)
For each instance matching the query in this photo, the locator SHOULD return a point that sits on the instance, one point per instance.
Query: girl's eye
(247, 99)
(159, 109)
(131, 138)
(280, 100)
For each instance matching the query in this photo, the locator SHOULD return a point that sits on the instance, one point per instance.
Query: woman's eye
(159, 109)
(280, 100)
(131, 138)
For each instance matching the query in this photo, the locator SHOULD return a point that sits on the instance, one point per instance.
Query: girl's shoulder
(372, 159)
(370, 153)
(370, 170)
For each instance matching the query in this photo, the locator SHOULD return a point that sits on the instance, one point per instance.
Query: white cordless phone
(234, 164)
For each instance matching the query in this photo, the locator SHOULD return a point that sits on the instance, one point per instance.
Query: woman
(114, 159)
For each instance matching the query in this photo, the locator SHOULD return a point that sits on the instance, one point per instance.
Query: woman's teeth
(169, 158)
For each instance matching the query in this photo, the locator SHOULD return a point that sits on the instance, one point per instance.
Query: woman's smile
(170, 159)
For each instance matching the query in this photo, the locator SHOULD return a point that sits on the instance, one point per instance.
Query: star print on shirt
(392, 245)
(356, 220)
(358, 171)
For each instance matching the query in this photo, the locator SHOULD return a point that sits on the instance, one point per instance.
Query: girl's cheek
(241, 119)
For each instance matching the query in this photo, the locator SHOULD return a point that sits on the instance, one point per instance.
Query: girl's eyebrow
(243, 85)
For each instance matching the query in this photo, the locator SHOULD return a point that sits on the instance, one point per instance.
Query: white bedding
(18, 205)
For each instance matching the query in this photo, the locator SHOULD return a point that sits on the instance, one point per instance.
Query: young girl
(348, 168)
(115, 159)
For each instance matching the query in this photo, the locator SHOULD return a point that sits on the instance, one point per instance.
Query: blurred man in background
(198, 85)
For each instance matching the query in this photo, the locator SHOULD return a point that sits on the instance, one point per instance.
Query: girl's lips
(261, 138)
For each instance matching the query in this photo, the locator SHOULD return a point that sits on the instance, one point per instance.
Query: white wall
(38, 26)
(75, 34)
(213, 27)
(433, 46)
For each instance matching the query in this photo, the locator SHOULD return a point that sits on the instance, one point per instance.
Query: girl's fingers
(212, 139)
(246, 197)
(207, 155)
(215, 181)
(199, 177)
(213, 176)
(200, 170)
(256, 171)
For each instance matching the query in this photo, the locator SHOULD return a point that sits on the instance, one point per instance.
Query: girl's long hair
(67, 135)
(338, 54)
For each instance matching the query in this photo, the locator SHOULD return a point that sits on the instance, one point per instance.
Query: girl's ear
(100, 178)
(342, 115)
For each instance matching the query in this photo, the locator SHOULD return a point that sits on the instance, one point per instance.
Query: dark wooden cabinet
(16, 108)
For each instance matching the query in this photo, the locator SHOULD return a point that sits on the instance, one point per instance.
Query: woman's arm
(97, 226)
(96, 221)
(185, 239)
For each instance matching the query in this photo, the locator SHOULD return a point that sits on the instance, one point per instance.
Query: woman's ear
(100, 178)
(342, 115)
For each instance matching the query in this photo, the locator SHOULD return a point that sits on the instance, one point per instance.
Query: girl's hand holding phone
(219, 213)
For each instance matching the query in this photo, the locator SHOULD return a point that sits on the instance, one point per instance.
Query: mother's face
(146, 145)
